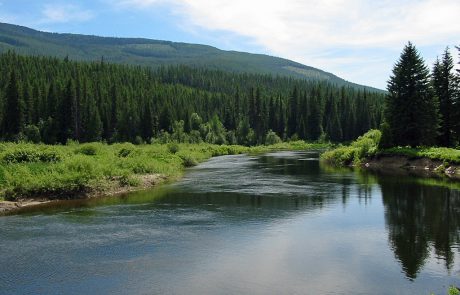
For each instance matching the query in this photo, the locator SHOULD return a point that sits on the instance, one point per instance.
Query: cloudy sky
(358, 40)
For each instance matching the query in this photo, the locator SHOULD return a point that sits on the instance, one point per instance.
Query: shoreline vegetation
(366, 153)
(32, 174)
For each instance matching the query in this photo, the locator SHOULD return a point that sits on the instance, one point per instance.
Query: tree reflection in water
(420, 218)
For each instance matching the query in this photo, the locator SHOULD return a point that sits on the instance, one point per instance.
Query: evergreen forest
(51, 100)
(422, 108)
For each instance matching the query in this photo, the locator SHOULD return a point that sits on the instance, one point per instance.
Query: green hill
(153, 53)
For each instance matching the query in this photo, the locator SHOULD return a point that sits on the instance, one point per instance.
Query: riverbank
(33, 174)
(364, 152)
(424, 167)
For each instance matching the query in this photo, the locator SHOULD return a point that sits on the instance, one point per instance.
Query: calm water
(274, 224)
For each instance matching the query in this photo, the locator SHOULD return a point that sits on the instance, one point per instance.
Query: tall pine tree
(443, 85)
(13, 120)
(411, 108)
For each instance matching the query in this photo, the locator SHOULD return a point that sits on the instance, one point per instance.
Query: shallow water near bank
(279, 223)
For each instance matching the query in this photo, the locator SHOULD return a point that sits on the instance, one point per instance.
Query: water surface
(280, 223)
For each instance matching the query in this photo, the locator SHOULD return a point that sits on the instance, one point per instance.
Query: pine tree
(411, 108)
(293, 107)
(443, 85)
(13, 120)
(66, 114)
(456, 109)
(314, 125)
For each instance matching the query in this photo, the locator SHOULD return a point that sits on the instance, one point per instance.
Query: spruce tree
(411, 108)
(66, 114)
(293, 107)
(13, 120)
(456, 109)
(443, 85)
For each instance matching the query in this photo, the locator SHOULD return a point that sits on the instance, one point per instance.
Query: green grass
(366, 146)
(64, 171)
(434, 153)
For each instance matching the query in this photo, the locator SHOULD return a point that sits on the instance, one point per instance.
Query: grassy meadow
(67, 171)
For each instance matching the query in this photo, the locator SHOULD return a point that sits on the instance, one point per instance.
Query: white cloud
(306, 30)
(64, 13)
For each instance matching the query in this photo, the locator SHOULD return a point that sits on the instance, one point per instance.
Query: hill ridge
(154, 53)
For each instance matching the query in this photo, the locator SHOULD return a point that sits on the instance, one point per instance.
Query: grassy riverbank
(78, 170)
(366, 147)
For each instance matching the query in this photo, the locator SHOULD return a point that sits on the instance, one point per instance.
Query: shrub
(173, 147)
(29, 155)
(138, 140)
(453, 290)
(188, 161)
(365, 146)
(124, 152)
(128, 180)
(272, 138)
(32, 133)
(89, 149)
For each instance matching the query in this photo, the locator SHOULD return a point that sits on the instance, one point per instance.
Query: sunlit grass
(366, 146)
(61, 171)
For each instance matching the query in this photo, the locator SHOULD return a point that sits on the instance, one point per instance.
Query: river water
(280, 223)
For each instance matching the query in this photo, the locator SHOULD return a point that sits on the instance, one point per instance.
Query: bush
(88, 149)
(365, 146)
(138, 140)
(453, 290)
(29, 155)
(188, 161)
(32, 133)
(173, 148)
(128, 180)
(272, 138)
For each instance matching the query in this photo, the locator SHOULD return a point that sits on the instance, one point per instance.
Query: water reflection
(419, 217)
(274, 224)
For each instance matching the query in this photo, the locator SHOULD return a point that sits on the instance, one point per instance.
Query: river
(279, 223)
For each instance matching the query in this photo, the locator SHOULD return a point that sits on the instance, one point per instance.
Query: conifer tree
(314, 126)
(443, 85)
(411, 108)
(293, 106)
(456, 109)
(13, 120)
(66, 114)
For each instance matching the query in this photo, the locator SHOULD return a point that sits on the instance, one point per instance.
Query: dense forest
(154, 53)
(51, 100)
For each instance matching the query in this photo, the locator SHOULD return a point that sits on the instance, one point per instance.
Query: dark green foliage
(272, 138)
(13, 117)
(188, 161)
(32, 133)
(30, 155)
(125, 152)
(443, 80)
(87, 149)
(99, 101)
(173, 148)
(456, 104)
(411, 106)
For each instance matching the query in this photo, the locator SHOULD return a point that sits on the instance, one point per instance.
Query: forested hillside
(153, 53)
(53, 100)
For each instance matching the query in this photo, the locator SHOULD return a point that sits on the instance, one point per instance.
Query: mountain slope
(154, 53)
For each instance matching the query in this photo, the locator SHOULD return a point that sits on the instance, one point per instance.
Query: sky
(358, 40)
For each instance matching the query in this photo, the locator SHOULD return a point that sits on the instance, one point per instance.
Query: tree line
(51, 100)
(422, 108)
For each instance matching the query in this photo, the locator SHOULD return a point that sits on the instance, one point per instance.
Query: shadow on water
(421, 214)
